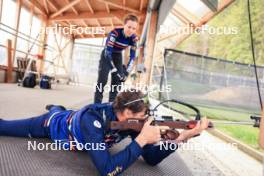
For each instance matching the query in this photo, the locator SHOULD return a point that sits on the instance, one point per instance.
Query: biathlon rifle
(174, 124)
(164, 120)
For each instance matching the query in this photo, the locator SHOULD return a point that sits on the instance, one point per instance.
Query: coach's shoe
(49, 106)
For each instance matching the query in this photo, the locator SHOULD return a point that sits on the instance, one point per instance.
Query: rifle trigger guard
(169, 134)
(162, 131)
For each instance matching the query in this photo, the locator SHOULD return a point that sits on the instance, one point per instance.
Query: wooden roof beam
(38, 7)
(72, 7)
(108, 11)
(89, 6)
(180, 16)
(97, 15)
(46, 6)
(141, 5)
(119, 17)
(184, 12)
(64, 8)
(124, 2)
(119, 6)
(89, 36)
(112, 24)
(84, 23)
(107, 8)
(224, 4)
(107, 28)
(70, 23)
(53, 5)
(98, 23)
(63, 23)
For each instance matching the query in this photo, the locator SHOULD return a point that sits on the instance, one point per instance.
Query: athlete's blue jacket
(89, 125)
(117, 41)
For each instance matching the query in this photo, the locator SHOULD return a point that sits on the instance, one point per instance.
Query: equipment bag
(29, 81)
(45, 82)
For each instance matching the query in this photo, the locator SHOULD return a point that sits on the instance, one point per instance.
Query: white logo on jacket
(112, 39)
(97, 124)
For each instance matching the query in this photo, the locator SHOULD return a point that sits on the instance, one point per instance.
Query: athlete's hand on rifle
(186, 134)
(150, 134)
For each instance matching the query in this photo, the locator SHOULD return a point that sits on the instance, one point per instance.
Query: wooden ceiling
(88, 13)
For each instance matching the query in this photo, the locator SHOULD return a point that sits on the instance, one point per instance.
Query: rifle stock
(137, 125)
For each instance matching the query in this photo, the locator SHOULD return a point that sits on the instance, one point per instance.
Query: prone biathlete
(90, 125)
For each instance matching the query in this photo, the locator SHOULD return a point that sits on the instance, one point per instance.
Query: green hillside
(234, 47)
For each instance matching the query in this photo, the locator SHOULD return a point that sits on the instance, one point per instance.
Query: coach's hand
(119, 76)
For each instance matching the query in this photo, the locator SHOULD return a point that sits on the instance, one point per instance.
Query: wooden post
(139, 61)
(126, 55)
(42, 47)
(9, 62)
(30, 25)
(61, 50)
(72, 43)
(261, 131)
(18, 10)
(151, 41)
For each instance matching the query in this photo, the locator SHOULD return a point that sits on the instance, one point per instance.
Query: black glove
(119, 76)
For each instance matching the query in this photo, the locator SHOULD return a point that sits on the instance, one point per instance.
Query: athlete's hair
(131, 18)
(132, 99)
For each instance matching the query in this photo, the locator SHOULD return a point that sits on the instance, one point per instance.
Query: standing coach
(111, 58)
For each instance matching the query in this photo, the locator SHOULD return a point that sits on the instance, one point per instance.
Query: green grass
(245, 134)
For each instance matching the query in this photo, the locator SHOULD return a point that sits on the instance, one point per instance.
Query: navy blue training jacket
(117, 41)
(89, 126)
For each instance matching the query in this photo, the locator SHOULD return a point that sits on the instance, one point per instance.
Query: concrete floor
(18, 102)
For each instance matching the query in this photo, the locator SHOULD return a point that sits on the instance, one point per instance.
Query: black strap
(253, 54)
